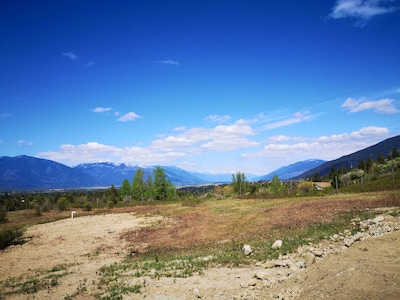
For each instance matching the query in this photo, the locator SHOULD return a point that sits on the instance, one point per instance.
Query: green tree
(395, 153)
(316, 177)
(239, 183)
(368, 165)
(113, 194)
(162, 188)
(361, 165)
(380, 159)
(275, 186)
(126, 189)
(138, 185)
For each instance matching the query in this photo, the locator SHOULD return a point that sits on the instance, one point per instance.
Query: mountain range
(26, 173)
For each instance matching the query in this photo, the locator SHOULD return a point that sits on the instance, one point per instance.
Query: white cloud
(70, 55)
(24, 143)
(298, 117)
(292, 149)
(361, 10)
(220, 138)
(97, 152)
(130, 116)
(101, 109)
(382, 106)
(169, 62)
(217, 118)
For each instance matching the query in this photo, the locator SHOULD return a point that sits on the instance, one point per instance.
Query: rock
(246, 250)
(378, 219)
(268, 265)
(277, 244)
(196, 292)
(318, 253)
(301, 264)
(348, 242)
(309, 259)
(252, 282)
(282, 263)
(262, 275)
(357, 237)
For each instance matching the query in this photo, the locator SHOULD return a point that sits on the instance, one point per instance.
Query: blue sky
(210, 86)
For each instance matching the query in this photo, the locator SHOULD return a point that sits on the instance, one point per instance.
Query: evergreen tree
(395, 153)
(380, 159)
(361, 165)
(126, 189)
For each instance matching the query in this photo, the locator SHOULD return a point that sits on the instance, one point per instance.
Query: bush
(38, 210)
(62, 203)
(87, 206)
(10, 236)
(3, 215)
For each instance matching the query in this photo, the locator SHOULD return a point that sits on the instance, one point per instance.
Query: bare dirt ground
(369, 269)
(82, 244)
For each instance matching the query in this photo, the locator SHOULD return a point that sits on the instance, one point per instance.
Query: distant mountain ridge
(23, 173)
(352, 160)
(293, 170)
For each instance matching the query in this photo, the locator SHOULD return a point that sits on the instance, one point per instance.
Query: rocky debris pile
(269, 275)
(266, 279)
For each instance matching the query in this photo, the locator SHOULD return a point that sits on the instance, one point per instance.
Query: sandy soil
(83, 244)
(369, 269)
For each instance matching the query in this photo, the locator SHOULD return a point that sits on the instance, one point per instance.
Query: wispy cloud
(70, 55)
(169, 62)
(74, 57)
(217, 118)
(89, 64)
(361, 10)
(101, 109)
(298, 117)
(291, 149)
(130, 116)
(382, 106)
(24, 143)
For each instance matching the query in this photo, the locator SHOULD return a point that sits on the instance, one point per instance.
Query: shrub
(3, 215)
(62, 203)
(10, 236)
(87, 206)
(38, 210)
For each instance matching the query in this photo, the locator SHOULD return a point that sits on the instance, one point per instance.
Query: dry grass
(221, 221)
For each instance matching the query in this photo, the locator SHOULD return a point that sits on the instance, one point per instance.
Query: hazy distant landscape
(30, 173)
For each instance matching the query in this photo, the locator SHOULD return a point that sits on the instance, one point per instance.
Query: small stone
(252, 282)
(318, 253)
(309, 259)
(277, 244)
(357, 237)
(282, 263)
(378, 219)
(246, 250)
(262, 275)
(348, 242)
(268, 265)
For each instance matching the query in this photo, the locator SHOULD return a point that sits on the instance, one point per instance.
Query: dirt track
(369, 269)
